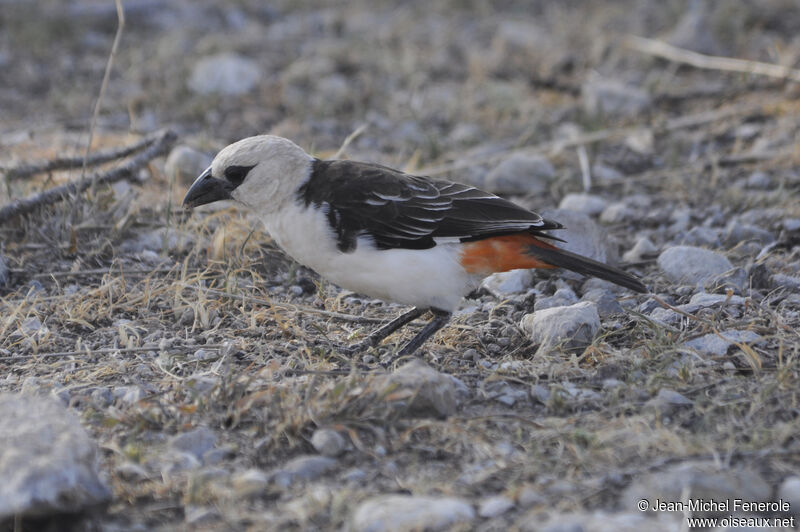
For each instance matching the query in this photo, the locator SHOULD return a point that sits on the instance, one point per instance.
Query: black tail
(585, 266)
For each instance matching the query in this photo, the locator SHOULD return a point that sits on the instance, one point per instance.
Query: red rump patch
(502, 253)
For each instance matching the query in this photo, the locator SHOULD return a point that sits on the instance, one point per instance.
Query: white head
(261, 172)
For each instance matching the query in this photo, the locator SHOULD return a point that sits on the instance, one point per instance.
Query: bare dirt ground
(149, 322)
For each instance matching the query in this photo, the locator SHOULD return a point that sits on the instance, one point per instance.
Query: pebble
(199, 515)
(702, 480)
(302, 468)
(529, 496)
(197, 441)
(395, 513)
(687, 264)
(48, 462)
(521, 174)
(787, 282)
(563, 297)
(184, 164)
(494, 506)
(789, 491)
(642, 248)
(504, 284)
(702, 236)
(588, 204)
(612, 97)
(735, 280)
(250, 482)
(737, 232)
(606, 174)
(328, 442)
(718, 344)
(4, 273)
(607, 304)
(129, 394)
(617, 212)
(695, 30)
(575, 326)
(227, 74)
(131, 472)
(671, 397)
(428, 392)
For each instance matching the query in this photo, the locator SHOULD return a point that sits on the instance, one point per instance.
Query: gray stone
(612, 97)
(735, 280)
(605, 301)
(521, 174)
(249, 482)
(421, 390)
(226, 74)
(737, 232)
(686, 264)
(197, 441)
(504, 284)
(396, 513)
(702, 480)
(759, 181)
(129, 394)
(602, 521)
(789, 491)
(671, 397)
(530, 496)
(588, 204)
(302, 468)
(718, 344)
(787, 282)
(328, 442)
(575, 326)
(494, 506)
(48, 463)
(791, 224)
(702, 236)
(184, 164)
(617, 212)
(131, 472)
(563, 297)
(643, 247)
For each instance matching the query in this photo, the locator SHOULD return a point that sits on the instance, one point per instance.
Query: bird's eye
(236, 174)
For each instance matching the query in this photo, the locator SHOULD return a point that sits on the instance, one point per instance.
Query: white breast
(424, 278)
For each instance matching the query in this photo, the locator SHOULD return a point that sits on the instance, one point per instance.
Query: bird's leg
(377, 336)
(440, 319)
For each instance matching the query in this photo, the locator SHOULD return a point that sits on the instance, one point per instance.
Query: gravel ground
(168, 370)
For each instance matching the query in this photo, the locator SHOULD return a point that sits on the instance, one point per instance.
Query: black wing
(400, 210)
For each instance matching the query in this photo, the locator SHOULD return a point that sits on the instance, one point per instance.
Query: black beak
(207, 189)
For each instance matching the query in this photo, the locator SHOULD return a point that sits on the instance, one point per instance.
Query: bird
(384, 233)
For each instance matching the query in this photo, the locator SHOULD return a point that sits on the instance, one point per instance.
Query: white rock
(718, 344)
(494, 506)
(575, 326)
(588, 204)
(562, 298)
(686, 264)
(185, 163)
(328, 442)
(397, 513)
(48, 464)
(789, 491)
(226, 73)
(521, 174)
(642, 247)
(617, 212)
(302, 468)
(504, 284)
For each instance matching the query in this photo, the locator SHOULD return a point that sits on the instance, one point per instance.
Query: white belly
(424, 278)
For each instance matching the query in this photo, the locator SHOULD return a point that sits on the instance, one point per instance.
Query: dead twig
(66, 163)
(708, 62)
(159, 144)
